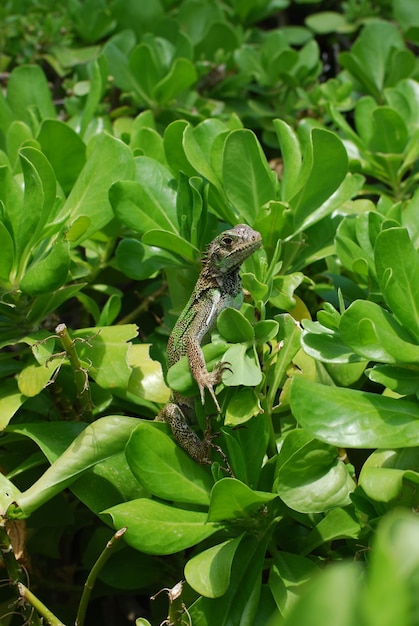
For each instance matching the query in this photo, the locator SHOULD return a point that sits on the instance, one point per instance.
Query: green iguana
(218, 287)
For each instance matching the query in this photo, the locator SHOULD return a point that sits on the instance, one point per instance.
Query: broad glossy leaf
(283, 287)
(390, 133)
(182, 74)
(324, 168)
(354, 419)
(149, 203)
(390, 594)
(29, 219)
(11, 400)
(232, 499)
(49, 273)
(331, 598)
(138, 261)
(288, 577)
(309, 477)
(241, 604)
(292, 158)
(164, 469)
(326, 344)
(109, 160)
(247, 178)
(368, 60)
(64, 149)
(174, 149)
(156, 528)
(234, 327)
(33, 378)
(244, 364)
(106, 349)
(397, 264)
(336, 524)
(209, 571)
(198, 142)
(171, 242)
(242, 407)
(27, 87)
(146, 380)
(402, 380)
(374, 334)
(97, 442)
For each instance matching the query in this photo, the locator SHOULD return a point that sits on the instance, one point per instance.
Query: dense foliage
(131, 133)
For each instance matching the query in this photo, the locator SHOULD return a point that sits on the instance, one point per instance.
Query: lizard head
(231, 247)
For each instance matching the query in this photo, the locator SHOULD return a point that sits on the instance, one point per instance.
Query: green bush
(128, 141)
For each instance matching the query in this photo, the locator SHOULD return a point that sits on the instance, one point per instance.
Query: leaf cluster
(166, 123)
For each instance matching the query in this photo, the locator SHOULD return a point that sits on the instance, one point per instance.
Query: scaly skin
(218, 287)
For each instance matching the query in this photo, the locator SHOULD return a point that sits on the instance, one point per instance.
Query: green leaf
(354, 419)
(336, 524)
(172, 243)
(28, 221)
(233, 500)
(208, 573)
(64, 149)
(331, 599)
(391, 486)
(106, 350)
(389, 131)
(369, 58)
(390, 593)
(7, 255)
(288, 578)
(98, 441)
(109, 160)
(324, 168)
(10, 401)
(164, 469)
(139, 261)
(247, 178)
(291, 155)
(402, 380)
(242, 407)
(241, 604)
(326, 22)
(182, 74)
(309, 477)
(326, 345)
(234, 327)
(49, 273)
(397, 264)
(27, 88)
(374, 334)
(33, 378)
(198, 142)
(179, 377)
(245, 366)
(149, 204)
(156, 528)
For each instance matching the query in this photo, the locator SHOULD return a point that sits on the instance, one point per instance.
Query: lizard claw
(207, 380)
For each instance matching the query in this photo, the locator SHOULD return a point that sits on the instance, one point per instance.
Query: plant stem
(94, 572)
(144, 306)
(39, 606)
(80, 373)
(15, 573)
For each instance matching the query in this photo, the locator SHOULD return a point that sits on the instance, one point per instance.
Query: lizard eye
(228, 240)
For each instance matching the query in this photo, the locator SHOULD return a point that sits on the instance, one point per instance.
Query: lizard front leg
(204, 378)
